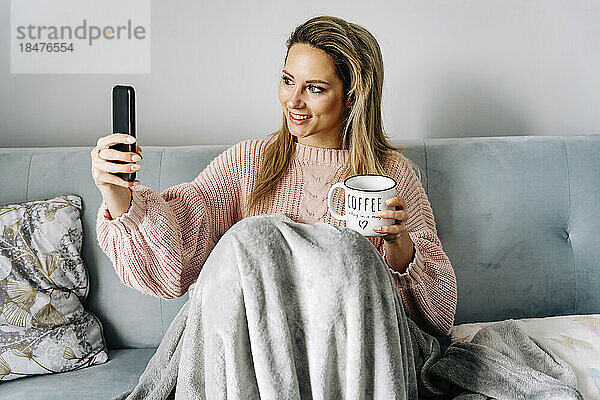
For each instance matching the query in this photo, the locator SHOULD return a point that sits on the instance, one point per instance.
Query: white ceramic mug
(364, 198)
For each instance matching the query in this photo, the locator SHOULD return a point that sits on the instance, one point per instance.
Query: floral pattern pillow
(43, 282)
(575, 338)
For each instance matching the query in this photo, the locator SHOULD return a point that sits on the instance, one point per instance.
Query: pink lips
(298, 121)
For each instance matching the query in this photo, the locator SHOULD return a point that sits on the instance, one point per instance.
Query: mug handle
(330, 201)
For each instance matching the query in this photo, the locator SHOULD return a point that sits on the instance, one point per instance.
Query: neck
(331, 144)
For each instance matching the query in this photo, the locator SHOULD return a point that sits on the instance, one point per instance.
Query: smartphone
(123, 121)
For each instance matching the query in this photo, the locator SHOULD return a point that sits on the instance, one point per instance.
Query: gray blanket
(285, 310)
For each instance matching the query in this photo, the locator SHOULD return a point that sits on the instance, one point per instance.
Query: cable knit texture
(160, 244)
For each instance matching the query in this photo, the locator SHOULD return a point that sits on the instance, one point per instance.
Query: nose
(295, 100)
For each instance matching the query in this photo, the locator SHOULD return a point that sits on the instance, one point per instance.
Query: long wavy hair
(359, 65)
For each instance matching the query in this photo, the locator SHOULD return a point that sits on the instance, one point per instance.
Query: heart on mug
(362, 224)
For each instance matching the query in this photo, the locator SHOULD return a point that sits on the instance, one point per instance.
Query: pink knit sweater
(160, 244)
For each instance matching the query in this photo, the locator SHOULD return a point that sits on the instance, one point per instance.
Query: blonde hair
(359, 65)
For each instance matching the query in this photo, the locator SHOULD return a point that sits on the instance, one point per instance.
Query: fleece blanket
(286, 310)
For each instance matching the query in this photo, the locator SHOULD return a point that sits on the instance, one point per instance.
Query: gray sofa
(518, 218)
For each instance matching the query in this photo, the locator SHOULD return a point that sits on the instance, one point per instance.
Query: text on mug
(366, 204)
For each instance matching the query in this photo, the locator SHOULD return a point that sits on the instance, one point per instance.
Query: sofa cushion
(575, 338)
(97, 382)
(44, 327)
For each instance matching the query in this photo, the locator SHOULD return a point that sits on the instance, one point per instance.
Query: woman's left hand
(399, 214)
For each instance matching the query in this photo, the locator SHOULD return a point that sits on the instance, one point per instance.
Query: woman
(330, 92)
(333, 78)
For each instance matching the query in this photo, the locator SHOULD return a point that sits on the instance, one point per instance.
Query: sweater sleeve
(428, 286)
(160, 244)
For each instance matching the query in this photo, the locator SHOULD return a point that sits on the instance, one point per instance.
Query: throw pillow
(575, 338)
(44, 327)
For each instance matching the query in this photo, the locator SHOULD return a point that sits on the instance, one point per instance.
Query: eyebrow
(311, 81)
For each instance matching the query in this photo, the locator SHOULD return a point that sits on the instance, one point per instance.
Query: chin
(301, 135)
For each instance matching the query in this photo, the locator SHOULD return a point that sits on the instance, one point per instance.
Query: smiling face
(309, 86)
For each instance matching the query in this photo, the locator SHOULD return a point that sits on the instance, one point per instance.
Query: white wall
(452, 68)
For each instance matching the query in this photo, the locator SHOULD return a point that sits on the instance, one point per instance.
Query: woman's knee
(257, 225)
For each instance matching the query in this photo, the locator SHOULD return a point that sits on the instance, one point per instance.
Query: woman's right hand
(103, 168)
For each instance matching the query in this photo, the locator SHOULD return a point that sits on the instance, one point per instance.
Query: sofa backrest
(516, 216)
